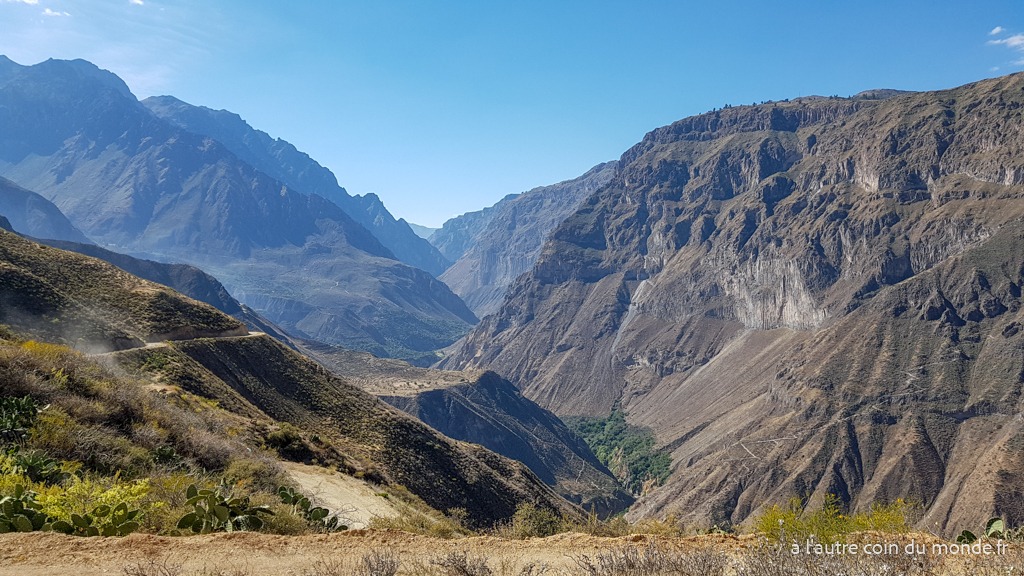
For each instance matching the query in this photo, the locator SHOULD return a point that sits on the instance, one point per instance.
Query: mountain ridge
(284, 162)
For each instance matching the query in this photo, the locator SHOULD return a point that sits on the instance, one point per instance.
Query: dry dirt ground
(354, 501)
(40, 554)
(251, 554)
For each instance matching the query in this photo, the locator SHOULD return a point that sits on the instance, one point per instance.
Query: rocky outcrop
(510, 242)
(138, 184)
(801, 297)
(283, 162)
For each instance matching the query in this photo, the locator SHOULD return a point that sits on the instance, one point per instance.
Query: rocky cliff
(457, 235)
(804, 297)
(511, 240)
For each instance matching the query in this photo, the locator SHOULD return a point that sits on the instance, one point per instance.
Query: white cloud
(48, 12)
(136, 2)
(997, 30)
(1016, 42)
(31, 2)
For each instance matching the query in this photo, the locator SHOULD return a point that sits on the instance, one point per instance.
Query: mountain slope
(34, 215)
(283, 162)
(485, 409)
(137, 184)
(47, 293)
(92, 305)
(798, 298)
(511, 241)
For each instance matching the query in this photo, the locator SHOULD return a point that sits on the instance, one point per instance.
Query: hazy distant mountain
(511, 240)
(33, 215)
(805, 298)
(282, 161)
(456, 235)
(422, 231)
(136, 183)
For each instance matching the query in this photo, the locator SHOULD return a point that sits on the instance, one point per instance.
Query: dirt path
(165, 343)
(245, 554)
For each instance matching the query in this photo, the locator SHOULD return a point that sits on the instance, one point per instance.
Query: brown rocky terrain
(804, 297)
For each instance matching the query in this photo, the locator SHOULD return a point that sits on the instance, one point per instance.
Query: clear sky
(441, 107)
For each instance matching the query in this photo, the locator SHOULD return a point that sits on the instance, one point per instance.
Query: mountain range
(136, 183)
(807, 298)
(800, 298)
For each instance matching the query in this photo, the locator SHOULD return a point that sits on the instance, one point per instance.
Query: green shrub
(20, 512)
(17, 415)
(101, 521)
(627, 450)
(794, 522)
(317, 517)
(530, 521)
(219, 511)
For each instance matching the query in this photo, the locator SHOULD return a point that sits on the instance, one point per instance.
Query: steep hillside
(31, 214)
(93, 306)
(52, 294)
(137, 184)
(511, 241)
(188, 280)
(798, 298)
(485, 409)
(283, 162)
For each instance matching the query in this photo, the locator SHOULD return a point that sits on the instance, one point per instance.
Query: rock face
(511, 240)
(485, 409)
(283, 162)
(799, 298)
(31, 214)
(138, 184)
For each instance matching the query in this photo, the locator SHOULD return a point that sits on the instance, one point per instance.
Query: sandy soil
(354, 502)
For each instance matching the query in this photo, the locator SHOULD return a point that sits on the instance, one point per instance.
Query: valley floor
(245, 554)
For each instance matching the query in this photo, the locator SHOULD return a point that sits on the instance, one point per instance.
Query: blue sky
(443, 107)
